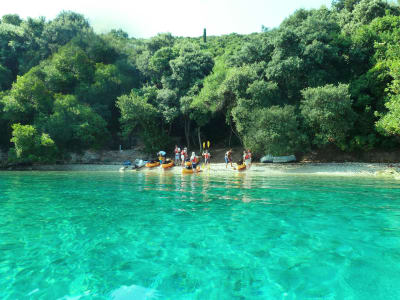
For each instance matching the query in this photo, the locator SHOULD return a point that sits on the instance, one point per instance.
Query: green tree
(140, 118)
(389, 124)
(328, 112)
(168, 106)
(159, 64)
(274, 130)
(63, 29)
(31, 146)
(11, 46)
(5, 78)
(345, 4)
(69, 67)
(27, 98)
(159, 41)
(190, 66)
(12, 19)
(74, 126)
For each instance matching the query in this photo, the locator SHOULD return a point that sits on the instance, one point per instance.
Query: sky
(146, 18)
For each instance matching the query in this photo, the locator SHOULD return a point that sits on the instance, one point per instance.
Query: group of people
(246, 158)
(182, 156)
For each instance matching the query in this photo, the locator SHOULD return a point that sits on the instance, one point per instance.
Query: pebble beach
(322, 169)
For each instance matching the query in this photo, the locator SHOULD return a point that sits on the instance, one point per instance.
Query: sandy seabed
(329, 169)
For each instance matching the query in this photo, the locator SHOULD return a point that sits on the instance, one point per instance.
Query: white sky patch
(146, 18)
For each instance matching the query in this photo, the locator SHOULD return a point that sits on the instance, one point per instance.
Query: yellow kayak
(241, 168)
(168, 165)
(190, 171)
(152, 164)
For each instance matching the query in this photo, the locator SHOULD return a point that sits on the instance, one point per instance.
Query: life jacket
(194, 160)
(206, 155)
(247, 156)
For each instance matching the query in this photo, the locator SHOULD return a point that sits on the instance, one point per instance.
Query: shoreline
(308, 168)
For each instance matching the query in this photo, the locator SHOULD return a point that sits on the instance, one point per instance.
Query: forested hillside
(327, 77)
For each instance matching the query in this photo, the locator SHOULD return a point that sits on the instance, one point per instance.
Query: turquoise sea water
(78, 235)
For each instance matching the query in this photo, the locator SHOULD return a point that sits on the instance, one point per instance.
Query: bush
(275, 131)
(328, 113)
(31, 146)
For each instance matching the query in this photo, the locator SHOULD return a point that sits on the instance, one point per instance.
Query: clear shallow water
(76, 235)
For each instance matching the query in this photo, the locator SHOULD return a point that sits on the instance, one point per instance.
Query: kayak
(241, 168)
(190, 171)
(152, 164)
(168, 165)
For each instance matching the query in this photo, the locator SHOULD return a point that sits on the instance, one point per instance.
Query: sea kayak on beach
(152, 164)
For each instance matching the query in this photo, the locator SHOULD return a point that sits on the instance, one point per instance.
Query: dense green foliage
(31, 146)
(328, 114)
(324, 77)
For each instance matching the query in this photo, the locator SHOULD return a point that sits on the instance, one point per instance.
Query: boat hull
(152, 165)
(167, 166)
(191, 171)
(241, 168)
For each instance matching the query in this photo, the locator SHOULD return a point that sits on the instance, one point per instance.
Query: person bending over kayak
(228, 158)
(161, 156)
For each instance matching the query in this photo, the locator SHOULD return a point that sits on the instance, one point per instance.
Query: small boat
(241, 167)
(139, 164)
(190, 170)
(167, 164)
(278, 159)
(152, 164)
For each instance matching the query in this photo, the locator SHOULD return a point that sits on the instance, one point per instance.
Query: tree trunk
(169, 129)
(198, 133)
(187, 132)
(235, 133)
(193, 137)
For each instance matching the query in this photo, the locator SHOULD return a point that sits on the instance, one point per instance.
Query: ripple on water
(66, 235)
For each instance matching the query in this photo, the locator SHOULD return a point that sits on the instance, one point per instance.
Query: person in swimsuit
(161, 156)
(206, 156)
(193, 160)
(177, 152)
(183, 156)
(247, 159)
(228, 158)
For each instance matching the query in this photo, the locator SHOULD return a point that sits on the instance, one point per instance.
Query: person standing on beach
(247, 158)
(206, 156)
(183, 156)
(228, 158)
(177, 154)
